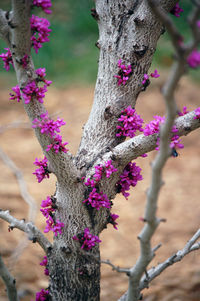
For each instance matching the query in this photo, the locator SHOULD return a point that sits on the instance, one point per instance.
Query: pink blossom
(32, 90)
(97, 200)
(197, 113)
(130, 123)
(42, 295)
(193, 59)
(112, 220)
(98, 172)
(44, 4)
(47, 125)
(44, 263)
(42, 172)
(87, 240)
(153, 126)
(41, 72)
(146, 78)
(176, 10)
(90, 182)
(109, 168)
(184, 112)
(129, 177)
(123, 74)
(155, 74)
(7, 59)
(175, 142)
(17, 94)
(57, 145)
(25, 61)
(40, 28)
(56, 227)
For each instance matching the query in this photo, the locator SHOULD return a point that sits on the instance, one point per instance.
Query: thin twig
(114, 267)
(9, 281)
(22, 185)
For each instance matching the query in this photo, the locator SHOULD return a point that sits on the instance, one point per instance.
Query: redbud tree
(113, 138)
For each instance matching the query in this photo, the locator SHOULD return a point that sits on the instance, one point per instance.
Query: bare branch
(114, 267)
(9, 282)
(156, 271)
(22, 185)
(33, 233)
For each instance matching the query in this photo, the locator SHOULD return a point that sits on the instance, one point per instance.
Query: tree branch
(9, 281)
(22, 185)
(33, 233)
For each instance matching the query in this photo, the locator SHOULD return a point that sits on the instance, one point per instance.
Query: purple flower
(32, 90)
(87, 240)
(109, 168)
(47, 125)
(112, 220)
(42, 295)
(25, 61)
(175, 142)
(40, 28)
(145, 79)
(41, 72)
(44, 263)
(44, 4)
(131, 122)
(42, 172)
(57, 145)
(153, 126)
(193, 59)
(197, 113)
(97, 200)
(176, 10)
(17, 94)
(184, 112)
(155, 74)
(98, 172)
(123, 74)
(129, 177)
(90, 182)
(7, 59)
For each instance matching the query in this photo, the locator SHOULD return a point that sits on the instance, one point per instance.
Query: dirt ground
(179, 199)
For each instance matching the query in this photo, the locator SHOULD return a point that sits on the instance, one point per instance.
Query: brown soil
(178, 203)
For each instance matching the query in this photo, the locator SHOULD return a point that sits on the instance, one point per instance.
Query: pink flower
(42, 172)
(123, 74)
(153, 126)
(197, 113)
(17, 94)
(42, 295)
(109, 168)
(112, 220)
(44, 263)
(57, 145)
(87, 239)
(146, 78)
(32, 90)
(44, 4)
(97, 200)
(175, 142)
(176, 10)
(184, 112)
(40, 28)
(155, 74)
(25, 61)
(193, 59)
(129, 177)
(41, 72)
(7, 59)
(130, 123)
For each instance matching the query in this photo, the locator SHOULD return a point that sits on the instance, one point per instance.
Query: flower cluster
(146, 77)
(193, 59)
(129, 177)
(109, 168)
(41, 72)
(197, 113)
(40, 29)
(7, 59)
(112, 220)
(131, 122)
(51, 128)
(87, 240)
(44, 4)
(16, 95)
(42, 295)
(176, 10)
(184, 112)
(97, 200)
(48, 209)
(44, 263)
(123, 74)
(42, 172)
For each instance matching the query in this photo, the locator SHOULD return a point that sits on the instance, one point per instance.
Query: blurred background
(70, 59)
